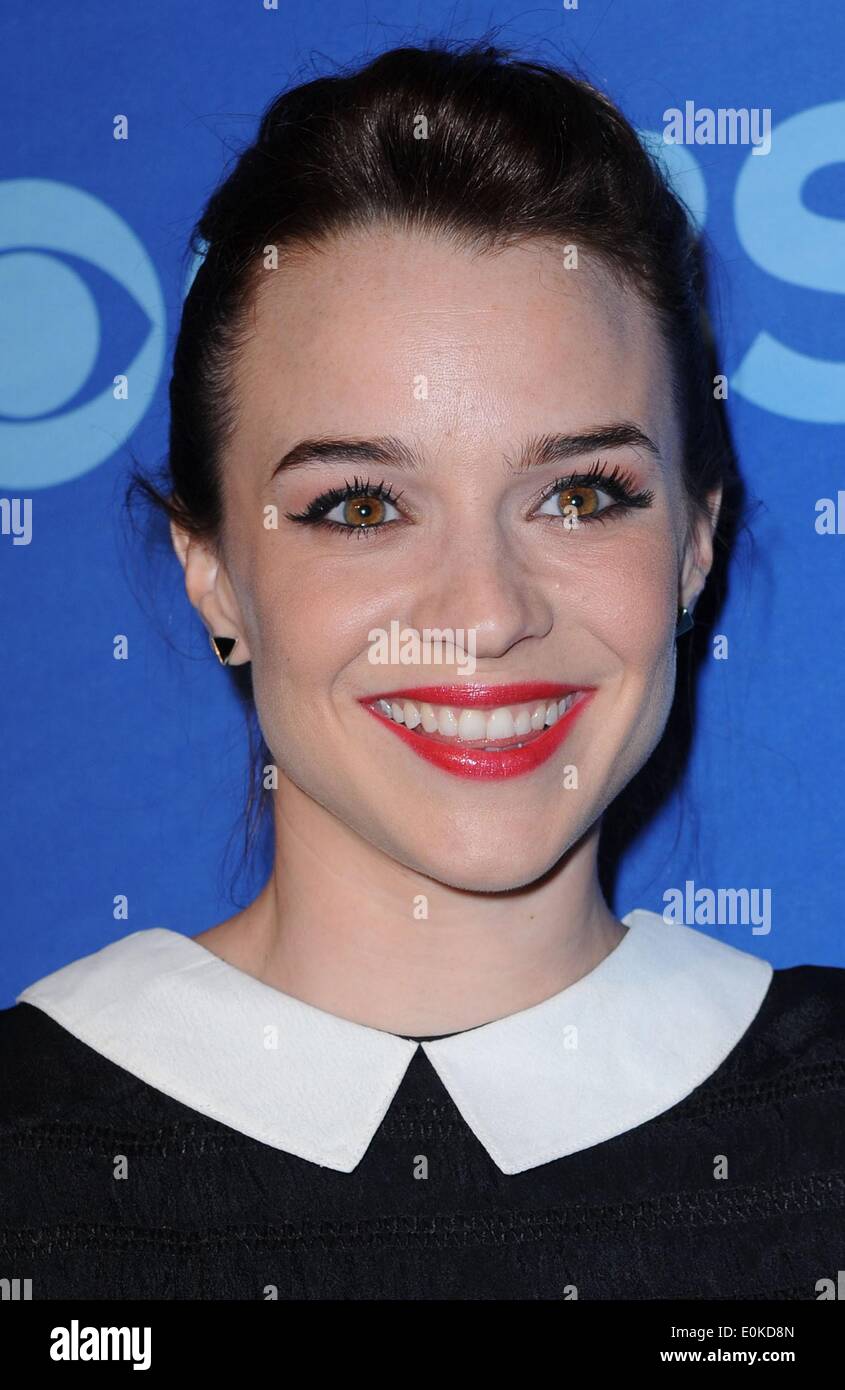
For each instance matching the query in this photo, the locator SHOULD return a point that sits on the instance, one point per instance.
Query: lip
(476, 762)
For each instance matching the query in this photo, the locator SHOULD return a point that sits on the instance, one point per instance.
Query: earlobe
(698, 558)
(684, 622)
(203, 581)
(223, 647)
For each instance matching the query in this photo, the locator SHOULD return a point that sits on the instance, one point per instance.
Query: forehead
(382, 331)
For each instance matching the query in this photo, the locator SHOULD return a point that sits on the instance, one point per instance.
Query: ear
(697, 558)
(209, 589)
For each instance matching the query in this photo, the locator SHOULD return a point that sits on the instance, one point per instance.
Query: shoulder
(778, 1017)
(46, 1073)
(57, 1041)
(806, 1004)
(798, 1035)
(809, 1000)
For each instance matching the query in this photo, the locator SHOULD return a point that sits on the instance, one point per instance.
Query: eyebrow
(542, 449)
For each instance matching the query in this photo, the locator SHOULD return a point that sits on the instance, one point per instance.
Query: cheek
(306, 626)
(641, 634)
(623, 592)
(310, 620)
(627, 612)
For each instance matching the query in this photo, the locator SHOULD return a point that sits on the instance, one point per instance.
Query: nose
(483, 585)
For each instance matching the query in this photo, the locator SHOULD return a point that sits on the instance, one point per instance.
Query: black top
(111, 1189)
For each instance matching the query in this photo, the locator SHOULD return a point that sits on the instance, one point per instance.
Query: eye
(356, 508)
(593, 496)
(361, 511)
(576, 502)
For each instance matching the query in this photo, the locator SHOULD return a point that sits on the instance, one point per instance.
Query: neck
(342, 926)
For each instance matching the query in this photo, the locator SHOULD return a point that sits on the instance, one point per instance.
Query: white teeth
(500, 724)
(412, 714)
(472, 725)
(522, 722)
(447, 721)
(429, 719)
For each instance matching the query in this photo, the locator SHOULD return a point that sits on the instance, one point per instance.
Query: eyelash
(617, 482)
(314, 514)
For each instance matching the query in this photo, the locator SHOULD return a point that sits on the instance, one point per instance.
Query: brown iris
(584, 500)
(363, 511)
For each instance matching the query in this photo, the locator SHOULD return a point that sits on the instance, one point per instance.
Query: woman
(441, 371)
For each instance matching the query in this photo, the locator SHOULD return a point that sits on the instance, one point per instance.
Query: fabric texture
(111, 1189)
(627, 1041)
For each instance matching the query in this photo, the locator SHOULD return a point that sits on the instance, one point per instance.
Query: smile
(482, 731)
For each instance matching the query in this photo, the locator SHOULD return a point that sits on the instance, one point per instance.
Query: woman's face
(472, 372)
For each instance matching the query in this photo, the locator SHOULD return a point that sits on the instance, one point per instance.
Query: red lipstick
(482, 758)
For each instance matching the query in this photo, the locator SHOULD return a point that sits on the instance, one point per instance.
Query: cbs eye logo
(81, 304)
(787, 219)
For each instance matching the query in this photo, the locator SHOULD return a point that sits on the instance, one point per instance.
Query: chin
(500, 865)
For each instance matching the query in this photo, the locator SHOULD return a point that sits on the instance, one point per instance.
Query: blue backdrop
(125, 777)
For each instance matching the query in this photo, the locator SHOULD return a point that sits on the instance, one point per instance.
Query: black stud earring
(684, 623)
(222, 647)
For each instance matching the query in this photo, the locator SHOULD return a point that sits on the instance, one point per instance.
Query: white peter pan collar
(619, 1046)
